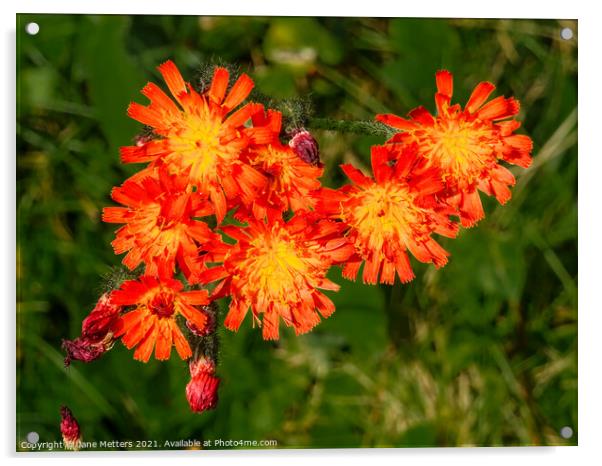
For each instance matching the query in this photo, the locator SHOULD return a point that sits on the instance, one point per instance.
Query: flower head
(201, 391)
(290, 178)
(276, 269)
(97, 335)
(390, 214)
(70, 430)
(201, 136)
(160, 228)
(152, 324)
(467, 144)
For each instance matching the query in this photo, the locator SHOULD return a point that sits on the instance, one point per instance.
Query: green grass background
(482, 352)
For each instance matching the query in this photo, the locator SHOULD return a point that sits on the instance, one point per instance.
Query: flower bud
(305, 146)
(72, 436)
(201, 391)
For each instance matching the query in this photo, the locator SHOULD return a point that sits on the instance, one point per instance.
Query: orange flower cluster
(210, 155)
(466, 145)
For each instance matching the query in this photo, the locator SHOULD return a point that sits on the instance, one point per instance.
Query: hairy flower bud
(70, 430)
(201, 391)
(305, 146)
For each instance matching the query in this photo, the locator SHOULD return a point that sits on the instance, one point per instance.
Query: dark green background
(482, 352)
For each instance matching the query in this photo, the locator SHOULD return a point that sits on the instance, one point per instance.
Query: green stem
(371, 128)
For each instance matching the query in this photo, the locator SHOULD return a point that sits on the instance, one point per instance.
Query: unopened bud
(201, 391)
(72, 436)
(305, 146)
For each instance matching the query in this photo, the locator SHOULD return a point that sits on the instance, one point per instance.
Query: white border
(590, 228)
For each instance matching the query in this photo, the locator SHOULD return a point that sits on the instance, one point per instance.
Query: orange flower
(276, 269)
(290, 178)
(467, 144)
(158, 302)
(159, 222)
(394, 212)
(199, 135)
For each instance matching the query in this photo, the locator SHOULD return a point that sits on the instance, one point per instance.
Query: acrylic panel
(295, 232)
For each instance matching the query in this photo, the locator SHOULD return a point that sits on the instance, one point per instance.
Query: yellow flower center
(197, 144)
(382, 213)
(461, 148)
(276, 267)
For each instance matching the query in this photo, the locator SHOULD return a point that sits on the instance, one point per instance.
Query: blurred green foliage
(481, 352)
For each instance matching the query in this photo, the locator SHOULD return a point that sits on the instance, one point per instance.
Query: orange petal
(324, 304)
(219, 84)
(182, 346)
(192, 315)
(478, 97)
(442, 102)
(212, 275)
(127, 321)
(196, 297)
(422, 115)
(145, 348)
(403, 267)
(520, 142)
(146, 115)
(501, 191)
(396, 122)
(371, 269)
(471, 209)
(129, 293)
(420, 251)
(241, 116)
(159, 99)
(173, 79)
(508, 127)
(114, 214)
(380, 163)
(164, 340)
(356, 176)
(239, 92)
(438, 254)
(351, 269)
(499, 108)
(219, 204)
(235, 315)
(270, 326)
(261, 135)
(138, 331)
(445, 83)
(387, 275)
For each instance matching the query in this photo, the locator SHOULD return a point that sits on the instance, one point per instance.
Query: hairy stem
(371, 128)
